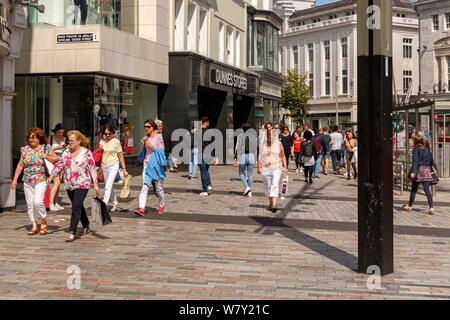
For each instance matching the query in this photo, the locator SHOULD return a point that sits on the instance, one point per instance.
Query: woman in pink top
(152, 141)
(271, 163)
(80, 173)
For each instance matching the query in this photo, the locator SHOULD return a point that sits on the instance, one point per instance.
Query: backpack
(308, 149)
(316, 140)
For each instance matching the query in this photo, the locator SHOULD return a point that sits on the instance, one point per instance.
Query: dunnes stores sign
(228, 79)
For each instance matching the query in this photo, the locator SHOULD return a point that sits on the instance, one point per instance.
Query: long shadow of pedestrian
(324, 249)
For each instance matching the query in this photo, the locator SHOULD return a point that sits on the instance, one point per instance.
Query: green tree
(295, 94)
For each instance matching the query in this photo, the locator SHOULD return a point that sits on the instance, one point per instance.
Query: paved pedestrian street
(225, 246)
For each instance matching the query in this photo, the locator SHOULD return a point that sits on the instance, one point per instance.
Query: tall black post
(375, 186)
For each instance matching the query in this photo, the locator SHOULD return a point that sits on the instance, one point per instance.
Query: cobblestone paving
(228, 247)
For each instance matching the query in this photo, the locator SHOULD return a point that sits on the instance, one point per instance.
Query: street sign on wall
(76, 37)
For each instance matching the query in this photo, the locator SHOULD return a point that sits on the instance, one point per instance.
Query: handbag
(284, 186)
(97, 154)
(100, 212)
(141, 157)
(434, 175)
(126, 189)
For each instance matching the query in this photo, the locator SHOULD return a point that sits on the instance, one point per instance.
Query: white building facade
(322, 42)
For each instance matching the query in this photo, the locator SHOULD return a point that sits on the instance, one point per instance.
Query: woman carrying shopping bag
(35, 174)
(271, 164)
(112, 155)
(80, 173)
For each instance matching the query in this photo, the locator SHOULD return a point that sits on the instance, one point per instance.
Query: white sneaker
(53, 207)
(247, 189)
(57, 206)
(249, 194)
(114, 208)
(204, 194)
(120, 182)
(296, 170)
(209, 188)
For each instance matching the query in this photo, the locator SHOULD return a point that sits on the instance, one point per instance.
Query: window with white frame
(407, 48)
(310, 52)
(229, 54)
(345, 81)
(311, 83)
(447, 20)
(203, 32)
(326, 46)
(192, 27)
(295, 57)
(407, 79)
(435, 19)
(344, 47)
(179, 28)
(327, 83)
(238, 49)
(221, 42)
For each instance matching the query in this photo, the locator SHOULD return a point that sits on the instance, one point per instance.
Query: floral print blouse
(78, 171)
(34, 165)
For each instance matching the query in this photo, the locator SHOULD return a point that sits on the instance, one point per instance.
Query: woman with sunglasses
(32, 163)
(112, 156)
(152, 141)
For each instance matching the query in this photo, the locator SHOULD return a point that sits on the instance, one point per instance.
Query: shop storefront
(201, 87)
(86, 103)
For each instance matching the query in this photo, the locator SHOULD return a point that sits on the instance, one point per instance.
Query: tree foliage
(295, 94)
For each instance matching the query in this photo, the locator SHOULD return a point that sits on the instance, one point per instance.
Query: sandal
(407, 208)
(44, 229)
(33, 231)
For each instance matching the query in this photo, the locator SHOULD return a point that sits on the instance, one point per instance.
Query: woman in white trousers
(32, 162)
(112, 156)
(271, 164)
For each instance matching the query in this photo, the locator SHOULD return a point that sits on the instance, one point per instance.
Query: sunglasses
(109, 133)
(148, 127)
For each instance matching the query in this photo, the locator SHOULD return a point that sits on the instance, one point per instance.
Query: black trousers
(83, 9)
(78, 211)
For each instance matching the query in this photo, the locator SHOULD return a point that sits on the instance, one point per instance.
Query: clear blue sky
(319, 2)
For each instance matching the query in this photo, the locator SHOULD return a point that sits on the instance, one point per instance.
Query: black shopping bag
(104, 212)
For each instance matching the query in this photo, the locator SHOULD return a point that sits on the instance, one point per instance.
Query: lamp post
(337, 104)
(421, 53)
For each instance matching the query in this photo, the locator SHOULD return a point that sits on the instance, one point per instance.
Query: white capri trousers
(271, 180)
(34, 195)
(144, 191)
(110, 173)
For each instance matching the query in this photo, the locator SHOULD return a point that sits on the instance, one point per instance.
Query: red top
(298, 144)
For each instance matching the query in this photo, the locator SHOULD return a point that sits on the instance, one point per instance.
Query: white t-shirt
(336, 140)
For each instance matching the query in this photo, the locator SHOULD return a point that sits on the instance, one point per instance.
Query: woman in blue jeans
(246, 156)
(421, 173)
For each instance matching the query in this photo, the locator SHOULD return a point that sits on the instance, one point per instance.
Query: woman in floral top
(80, 172)
(32, 163)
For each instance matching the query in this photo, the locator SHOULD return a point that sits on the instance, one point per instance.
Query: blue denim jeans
(169, 161)
(206, 179)
(246, 163)
(193, 163)
(318, 165)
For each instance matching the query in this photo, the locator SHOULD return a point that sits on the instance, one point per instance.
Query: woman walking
(286, 141)
(296, 148)
(271, 164)
(246, 156)
(152, 141)
(420, 173)
(32, 163)
(308, 155)
(112, 156)
(57, 141)
(80, 172)
(350, 144)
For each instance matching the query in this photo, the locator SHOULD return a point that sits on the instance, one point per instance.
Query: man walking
(336, 145)
(205, 163)
(325, 144)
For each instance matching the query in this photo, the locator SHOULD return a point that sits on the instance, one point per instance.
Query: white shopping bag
(96, 215)
(284, 186)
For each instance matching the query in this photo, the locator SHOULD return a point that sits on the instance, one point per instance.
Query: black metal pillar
(375, 185)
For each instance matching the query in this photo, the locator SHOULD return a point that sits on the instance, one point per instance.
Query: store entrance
(242, 111)
(210, 104)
